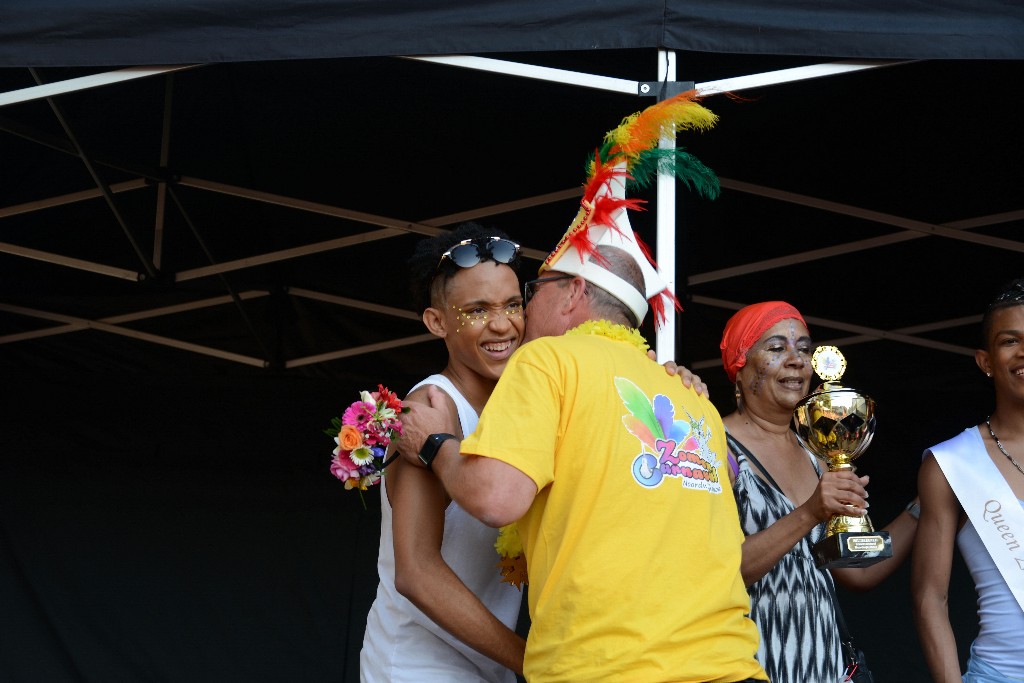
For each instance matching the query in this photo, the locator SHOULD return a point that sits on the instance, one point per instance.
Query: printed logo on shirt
(668, 447)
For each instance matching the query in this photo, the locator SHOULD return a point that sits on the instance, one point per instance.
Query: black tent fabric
(168, 515)
(64, 33)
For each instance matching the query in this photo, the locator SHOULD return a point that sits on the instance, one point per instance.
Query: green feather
(639, 405)
(678, 162)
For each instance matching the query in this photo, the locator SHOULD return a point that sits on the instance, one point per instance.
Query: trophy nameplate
(836, 424)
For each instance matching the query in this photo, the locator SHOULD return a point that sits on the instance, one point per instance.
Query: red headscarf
(746, 326)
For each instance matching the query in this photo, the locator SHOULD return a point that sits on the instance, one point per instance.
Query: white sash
(989, 502)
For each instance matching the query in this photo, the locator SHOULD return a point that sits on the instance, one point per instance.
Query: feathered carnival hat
(628, 160)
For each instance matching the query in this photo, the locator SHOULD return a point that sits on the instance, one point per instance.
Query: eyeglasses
(530, 288)
(468, 253)
(479, 314)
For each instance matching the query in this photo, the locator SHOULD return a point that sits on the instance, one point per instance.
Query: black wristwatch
(431, 446)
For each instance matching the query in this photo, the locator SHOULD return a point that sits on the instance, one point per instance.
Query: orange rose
(349, 438)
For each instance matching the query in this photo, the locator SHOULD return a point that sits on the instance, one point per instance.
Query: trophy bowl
(836, 424)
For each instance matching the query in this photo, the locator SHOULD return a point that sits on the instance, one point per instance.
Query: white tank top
(401, 643)
(1001, 619)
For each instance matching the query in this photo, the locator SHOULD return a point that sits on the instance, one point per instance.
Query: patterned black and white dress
(791, 604)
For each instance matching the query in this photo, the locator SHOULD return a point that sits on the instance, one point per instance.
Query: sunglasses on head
(468, 253)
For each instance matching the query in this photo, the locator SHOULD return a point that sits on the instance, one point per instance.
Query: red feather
(657, 304)
(600, 175)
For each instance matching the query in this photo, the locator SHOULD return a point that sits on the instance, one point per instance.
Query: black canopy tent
(61, 33)
(258, 209)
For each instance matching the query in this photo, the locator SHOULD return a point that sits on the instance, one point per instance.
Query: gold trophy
(837, 424)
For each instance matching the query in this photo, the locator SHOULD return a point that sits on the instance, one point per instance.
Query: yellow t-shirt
(633, 541)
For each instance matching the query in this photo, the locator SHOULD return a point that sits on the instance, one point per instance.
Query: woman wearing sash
(784, 499)
(971, 487)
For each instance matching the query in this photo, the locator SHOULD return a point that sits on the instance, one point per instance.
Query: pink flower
(343, 468)
(377, 435)
(357, 414)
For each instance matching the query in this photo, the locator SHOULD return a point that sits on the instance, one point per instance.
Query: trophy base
(852, 549)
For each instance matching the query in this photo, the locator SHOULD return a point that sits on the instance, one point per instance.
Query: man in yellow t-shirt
(614, 471)
(632, 542)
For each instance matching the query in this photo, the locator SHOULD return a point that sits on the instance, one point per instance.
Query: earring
(988, 374)
(737, 393)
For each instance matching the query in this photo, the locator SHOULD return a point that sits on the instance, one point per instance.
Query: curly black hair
(428, 276)
(1010, 294)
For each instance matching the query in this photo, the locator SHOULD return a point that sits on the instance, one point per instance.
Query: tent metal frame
(387, 227)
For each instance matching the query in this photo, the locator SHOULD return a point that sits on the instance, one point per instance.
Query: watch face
(432, 446)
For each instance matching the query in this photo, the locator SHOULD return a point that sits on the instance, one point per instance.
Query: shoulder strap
(467, 416)
(737, 447)
(844, 632)
(845, 639)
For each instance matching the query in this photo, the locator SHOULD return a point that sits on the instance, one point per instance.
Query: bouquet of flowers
(363, 434)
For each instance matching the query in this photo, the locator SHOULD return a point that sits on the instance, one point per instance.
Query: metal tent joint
(663, 90)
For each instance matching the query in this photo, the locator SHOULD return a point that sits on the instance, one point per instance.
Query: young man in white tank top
(971, 489)
(441, 611)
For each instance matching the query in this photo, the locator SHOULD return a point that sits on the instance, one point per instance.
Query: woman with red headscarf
(784, 499)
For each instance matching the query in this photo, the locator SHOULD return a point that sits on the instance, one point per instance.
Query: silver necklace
(999, 444)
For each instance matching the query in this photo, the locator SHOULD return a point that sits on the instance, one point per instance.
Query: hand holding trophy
(837, 424)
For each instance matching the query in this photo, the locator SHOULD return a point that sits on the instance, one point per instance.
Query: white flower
(361, 456)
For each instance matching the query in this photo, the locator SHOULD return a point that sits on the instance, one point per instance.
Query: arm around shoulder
(493, 491)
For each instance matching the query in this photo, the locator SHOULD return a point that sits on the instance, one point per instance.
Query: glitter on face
(773, 352)
(479, 314)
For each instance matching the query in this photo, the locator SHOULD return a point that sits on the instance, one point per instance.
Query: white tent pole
(800, 73)
(39, 92)
(628, 87)
(665, 336)
(540, 73)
